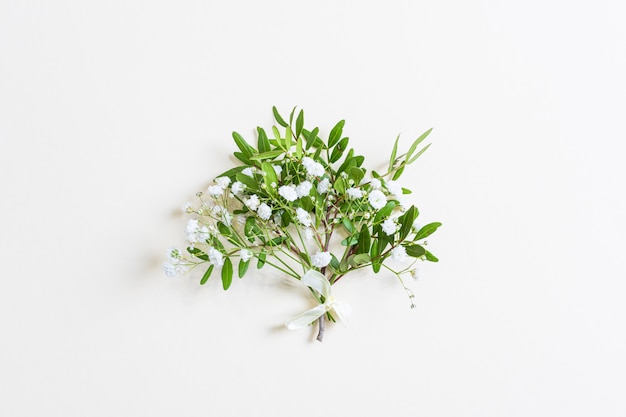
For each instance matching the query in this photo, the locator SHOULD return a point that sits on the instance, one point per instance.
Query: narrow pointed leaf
(278, 118)
(227, 273)
(207, 275)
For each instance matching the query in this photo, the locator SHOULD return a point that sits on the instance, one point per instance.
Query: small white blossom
(398, 254)
(313, 168)
(377, 199)
(303, 189)
(174, 255)
(417, 225)
(222, 181)
(303, 217)
(277, 169)
(375, 183)
(215, 256)
(416, 272)
(389, 227)
(248, 171)
(253, 202)
(215, 190)
(323, 185)
(237, 188)
(393, 188)
(288, 192)
(192, 229)
(354, 192)
(187, 207)
(245, 254)
(170, 269)
(308, 235)
(264, 211)
(202, 234)
(321, 259)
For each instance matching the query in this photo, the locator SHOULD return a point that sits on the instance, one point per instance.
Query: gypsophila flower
(323, 185)
(288, 192)
(245, 255)
(264, 211)
(248, 171)
(389, 227)
(416, 272)
(377, 199)
(192, 229)
(303, 189)
(394, 188)
(321, 259)
(170, 269)
(215, 190)
(308, 235)
(354, 193)
(202, 234)
(375, 184)
(252, 202)
(174, 255)
(215, 256)
(398, 254)
(417, 225)
(222, 181)
(313, 168)
(237, 188)
(187, 207)
(277, 169)
(303, 217)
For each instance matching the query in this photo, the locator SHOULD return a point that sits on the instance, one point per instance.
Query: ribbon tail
(342, 311)
(306, 318)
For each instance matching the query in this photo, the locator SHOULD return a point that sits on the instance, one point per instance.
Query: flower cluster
(299, 203)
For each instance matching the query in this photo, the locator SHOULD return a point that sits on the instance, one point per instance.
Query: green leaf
(359, 259)
(416, 143)
(261, 260)
(263, 142)
(334, 262)
(406, 222)
(244, 146)
(374, 252)
(231, 172)
(266, 155)
(299, 123)
(243, 267)
(198, 253)
(350, 241)
(278, 118)
(299, 152)
(364, 240)
(347, 224)
(335, 133)
(398, 172)
(249, 182)
(207, 275)
(356, 174)
(427, 230)
(243, 158)
(338, 150)
(430, 257)
(340, 185)
(269, 176)
(224, 230)
(394, 152)
(416, 251)
(384, 212)
(227, 273)
(417, 155)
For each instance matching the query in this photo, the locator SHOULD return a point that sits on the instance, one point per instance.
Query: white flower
(215, 256)
(192, 229)
(308, 235)
(303, 189)
(222, 181)
(187, 207)
(323, 186)
(377, 199)
(313, 168)
(375, 183)
(237, 188)
(416, 272)
(417, 225)
(277, 169)
(264, 211)
(321, 259)
(303, 217)
(174, 255)
(354, 192)
(253, 202)
(202, 234)
(398, 253)
(394, 188)
(215, 190)
(170, 269)
(288, 192)
(248, 171)
(245, 254)
(389, 226)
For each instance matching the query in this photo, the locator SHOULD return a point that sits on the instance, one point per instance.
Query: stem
(322, 327)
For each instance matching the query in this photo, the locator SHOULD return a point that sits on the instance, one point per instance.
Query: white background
(115, 113)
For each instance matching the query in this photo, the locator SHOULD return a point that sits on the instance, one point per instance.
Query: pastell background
(114, 113)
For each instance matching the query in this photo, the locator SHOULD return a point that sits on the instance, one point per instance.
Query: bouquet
(310, 209)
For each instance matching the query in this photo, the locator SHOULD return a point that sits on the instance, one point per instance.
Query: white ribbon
(319, 283)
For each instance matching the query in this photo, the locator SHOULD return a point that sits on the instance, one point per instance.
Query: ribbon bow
(319, 283)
